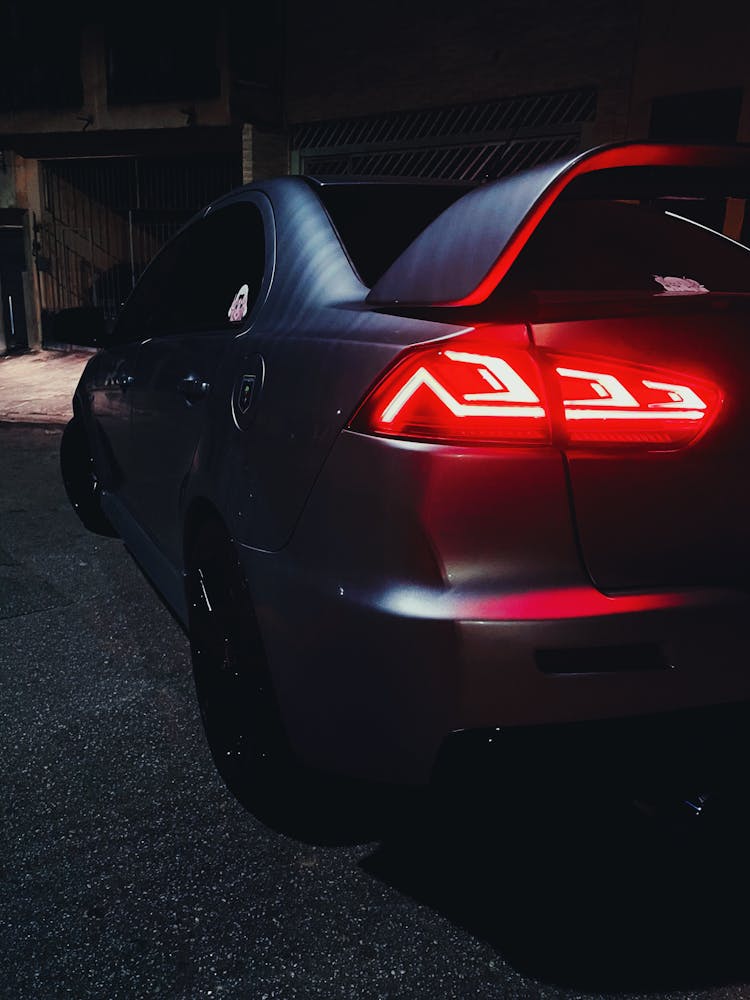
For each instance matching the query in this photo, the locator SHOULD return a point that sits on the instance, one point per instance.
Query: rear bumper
(675, 651)
(430, 590)
(372, 689)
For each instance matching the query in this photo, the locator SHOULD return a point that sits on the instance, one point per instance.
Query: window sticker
(670, 284)
(238, 308)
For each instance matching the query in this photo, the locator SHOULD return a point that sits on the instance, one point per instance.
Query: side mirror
(82, 327)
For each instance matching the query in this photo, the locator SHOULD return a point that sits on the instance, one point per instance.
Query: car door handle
(193, 388)
(117, 380)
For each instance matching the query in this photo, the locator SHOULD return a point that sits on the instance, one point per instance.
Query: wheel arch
(221, 550)
(201, 513)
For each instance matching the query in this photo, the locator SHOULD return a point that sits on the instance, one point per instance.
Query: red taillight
(473, 389)
(461, 389)
(607, 402)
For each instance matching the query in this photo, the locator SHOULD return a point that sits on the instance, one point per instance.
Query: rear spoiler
(461, 257)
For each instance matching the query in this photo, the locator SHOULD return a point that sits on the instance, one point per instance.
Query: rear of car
(536, 517)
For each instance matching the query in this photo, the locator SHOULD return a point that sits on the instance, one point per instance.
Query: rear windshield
(377, 222)
(641, 238)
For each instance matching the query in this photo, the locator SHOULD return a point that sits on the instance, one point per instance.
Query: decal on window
(238, 308)
(670, 284)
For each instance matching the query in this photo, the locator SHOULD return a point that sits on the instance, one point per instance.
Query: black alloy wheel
(238, 707)
(242, 719)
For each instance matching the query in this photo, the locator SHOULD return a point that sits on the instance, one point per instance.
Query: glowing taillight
(611, 403)
(473, 389)
(459, 390)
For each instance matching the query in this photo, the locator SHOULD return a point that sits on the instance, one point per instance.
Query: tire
(241, 716)
(81, 481)
(238, 707)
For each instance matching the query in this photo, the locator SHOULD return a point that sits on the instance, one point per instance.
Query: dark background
(119, 121)
(127, 869)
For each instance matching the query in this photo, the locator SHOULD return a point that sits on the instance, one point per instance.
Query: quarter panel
(439, 523)
(317, 370)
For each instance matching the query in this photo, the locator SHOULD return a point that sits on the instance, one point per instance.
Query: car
(425, 467)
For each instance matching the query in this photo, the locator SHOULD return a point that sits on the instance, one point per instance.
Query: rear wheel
(81, 481)
(241, 716)
(238, 707)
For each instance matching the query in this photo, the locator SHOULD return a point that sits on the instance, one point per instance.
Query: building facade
(116, 126)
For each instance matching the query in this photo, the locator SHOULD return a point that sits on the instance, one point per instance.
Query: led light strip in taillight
(511, 396)
(613, 401)
(439, 393)
(487, 393)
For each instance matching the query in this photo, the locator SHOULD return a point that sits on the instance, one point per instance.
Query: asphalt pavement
(127, 870)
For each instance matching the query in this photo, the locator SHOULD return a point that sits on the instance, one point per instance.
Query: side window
(226, 268)
(207, 278)
(142, 311)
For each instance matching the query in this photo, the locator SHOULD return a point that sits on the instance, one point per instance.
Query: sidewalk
(38, 388)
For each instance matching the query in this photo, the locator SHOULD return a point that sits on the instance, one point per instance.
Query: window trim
(263, 204)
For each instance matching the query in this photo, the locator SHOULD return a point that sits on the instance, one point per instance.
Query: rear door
(208, 289)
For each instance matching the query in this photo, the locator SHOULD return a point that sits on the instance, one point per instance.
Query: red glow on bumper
(571, 602)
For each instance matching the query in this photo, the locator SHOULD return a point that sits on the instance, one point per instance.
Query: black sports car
(413, 459)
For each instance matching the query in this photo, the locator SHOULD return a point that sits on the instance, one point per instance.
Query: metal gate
(104, 219)
(465, 142)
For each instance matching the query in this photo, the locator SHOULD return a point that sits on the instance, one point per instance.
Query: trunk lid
(626, 260)
(665, 518)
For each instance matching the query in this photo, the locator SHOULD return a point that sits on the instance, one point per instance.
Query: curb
(6, 422)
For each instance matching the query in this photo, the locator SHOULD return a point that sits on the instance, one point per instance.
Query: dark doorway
(703, 116)
(13, 334)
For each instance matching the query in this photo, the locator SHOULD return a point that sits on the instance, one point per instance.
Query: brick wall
(688, 47)
(349, 59)
(264, 154)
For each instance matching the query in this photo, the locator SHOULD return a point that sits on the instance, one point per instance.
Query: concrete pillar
(7, 179)
(264, 154)
(29, 197)
(7, 200)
